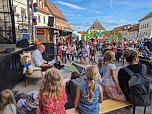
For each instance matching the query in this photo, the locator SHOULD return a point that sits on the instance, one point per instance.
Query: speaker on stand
(48, 55)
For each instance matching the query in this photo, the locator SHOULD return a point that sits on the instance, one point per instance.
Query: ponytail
(90, 90)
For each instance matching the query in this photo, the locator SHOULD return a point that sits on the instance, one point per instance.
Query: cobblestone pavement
(34, 85)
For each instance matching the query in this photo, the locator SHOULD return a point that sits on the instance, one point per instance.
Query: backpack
(140, 91)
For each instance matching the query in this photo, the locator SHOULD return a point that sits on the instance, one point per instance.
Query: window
(147, 25)
(15, 10)
(23, 13)
(42, 4)
(44, 19)
(39, 18)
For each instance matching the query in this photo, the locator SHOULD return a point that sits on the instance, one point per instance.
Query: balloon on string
(87, 36)
(125, 39)
(35, 23)
(35, 4)
(34, 19)
(37, 41)
(30, 6)
(39, 38)
(35, 9)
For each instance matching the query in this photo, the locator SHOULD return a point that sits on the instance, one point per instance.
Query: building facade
(59, 24)
(145, 26)
(123, 30)
(20, 14)
(133, 31)
(42, 28)
(96, 27)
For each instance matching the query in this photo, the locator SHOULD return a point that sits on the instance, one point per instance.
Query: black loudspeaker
(51, 21)
(22, 43)
(48, 55)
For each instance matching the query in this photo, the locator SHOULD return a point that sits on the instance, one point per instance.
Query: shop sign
(40, 32)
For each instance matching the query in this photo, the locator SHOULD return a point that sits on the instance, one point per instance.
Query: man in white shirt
(37, 59)
(73, 50)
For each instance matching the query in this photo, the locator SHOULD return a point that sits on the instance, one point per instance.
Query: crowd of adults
(54, 97)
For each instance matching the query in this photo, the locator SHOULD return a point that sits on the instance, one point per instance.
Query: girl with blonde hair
(109, 82)
(52, 96)
(7, 102)
(89, 94)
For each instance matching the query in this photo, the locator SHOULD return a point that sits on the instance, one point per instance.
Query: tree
(119, 35)
(105, 34)
(92, 34)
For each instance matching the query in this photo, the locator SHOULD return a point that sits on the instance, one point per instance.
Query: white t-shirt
(73, 49)
(37, 59)
(64, 48)
(107, 78)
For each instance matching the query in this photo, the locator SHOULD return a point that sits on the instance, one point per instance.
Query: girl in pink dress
(52, 96)
(59, 48)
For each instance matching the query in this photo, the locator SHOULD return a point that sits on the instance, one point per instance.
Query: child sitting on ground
(74, 75)
(89, 94)
(108, 80)
(58, 63)
(27, 102)
(52, 95)
(7, 102)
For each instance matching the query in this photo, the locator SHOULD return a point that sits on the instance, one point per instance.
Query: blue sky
(111, 13)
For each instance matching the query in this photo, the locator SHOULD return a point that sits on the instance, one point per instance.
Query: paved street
(34, 85)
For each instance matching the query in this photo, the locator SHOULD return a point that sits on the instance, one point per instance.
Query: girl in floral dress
(52, 96)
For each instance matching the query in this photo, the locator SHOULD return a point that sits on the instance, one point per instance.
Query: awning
(67, 30)
(74, 35)
(43, 27)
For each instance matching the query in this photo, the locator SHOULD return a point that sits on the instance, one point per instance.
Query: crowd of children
(52, 95)
(52, 92)
(76, 50)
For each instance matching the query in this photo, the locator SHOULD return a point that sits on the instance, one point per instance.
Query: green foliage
(105, 34)
(93, 34)
(119, 35)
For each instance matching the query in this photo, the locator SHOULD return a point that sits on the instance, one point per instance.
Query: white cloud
(73, 6)
(126, 3)
(79, 24)
(111, 6)
(72, 15)
(111, 23)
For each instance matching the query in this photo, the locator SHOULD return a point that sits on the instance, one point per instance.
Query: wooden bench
(105, 107)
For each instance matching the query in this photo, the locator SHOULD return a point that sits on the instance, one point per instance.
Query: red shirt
(54, 106)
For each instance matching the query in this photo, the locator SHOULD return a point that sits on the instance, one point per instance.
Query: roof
(55, 10)
(69, 27)
(82, 33)
(133, 28)
(147, 16)
(96, 26)
(43, 10)
(121, 28)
